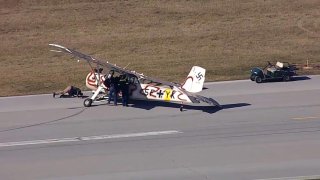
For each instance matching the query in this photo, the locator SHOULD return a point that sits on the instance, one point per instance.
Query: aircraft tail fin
(195, 80)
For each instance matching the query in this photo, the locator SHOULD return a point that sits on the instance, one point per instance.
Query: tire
(286, 78)
(258, 79)
(87, 102)
(252, 77)
(181, 108)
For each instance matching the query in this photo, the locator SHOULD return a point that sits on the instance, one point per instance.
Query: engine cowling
(92, 80)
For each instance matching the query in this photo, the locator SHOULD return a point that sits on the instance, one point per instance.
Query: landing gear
(95, 97)
(87, 102)
(181, 107)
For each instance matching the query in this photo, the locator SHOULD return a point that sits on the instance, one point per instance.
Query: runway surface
(264, 131)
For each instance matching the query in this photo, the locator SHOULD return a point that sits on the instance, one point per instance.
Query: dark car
(281, 71)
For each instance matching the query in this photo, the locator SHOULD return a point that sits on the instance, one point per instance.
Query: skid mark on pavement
(42, 123)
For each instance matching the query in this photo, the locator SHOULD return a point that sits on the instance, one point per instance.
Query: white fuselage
(158, 93)
(142, 91)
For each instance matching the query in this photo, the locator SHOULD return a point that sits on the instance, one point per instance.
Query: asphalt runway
(264, 131)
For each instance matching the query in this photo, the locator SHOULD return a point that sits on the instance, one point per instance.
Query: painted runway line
(88, 138)
(313, 177)
(306, 118)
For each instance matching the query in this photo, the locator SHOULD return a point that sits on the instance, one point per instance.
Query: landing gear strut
(88, 102)
(181, 107)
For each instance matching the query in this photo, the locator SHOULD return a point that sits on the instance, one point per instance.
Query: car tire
(286, 78)
(258, 79)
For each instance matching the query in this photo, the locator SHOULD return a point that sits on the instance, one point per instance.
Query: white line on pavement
(294, 178)
(88, 138)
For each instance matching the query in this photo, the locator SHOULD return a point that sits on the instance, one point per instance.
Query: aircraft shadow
(148, 105)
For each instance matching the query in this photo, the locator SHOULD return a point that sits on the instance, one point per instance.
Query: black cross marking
(160, 94)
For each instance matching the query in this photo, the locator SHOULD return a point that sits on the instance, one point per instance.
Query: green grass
(159, 38)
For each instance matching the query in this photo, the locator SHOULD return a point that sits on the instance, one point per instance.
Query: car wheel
(286, 78)
(258, 79)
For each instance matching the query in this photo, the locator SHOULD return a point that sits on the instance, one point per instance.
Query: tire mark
(42, 123)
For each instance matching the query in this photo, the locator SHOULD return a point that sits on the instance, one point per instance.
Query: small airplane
(142, 87)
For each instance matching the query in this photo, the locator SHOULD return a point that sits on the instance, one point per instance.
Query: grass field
(159, 38)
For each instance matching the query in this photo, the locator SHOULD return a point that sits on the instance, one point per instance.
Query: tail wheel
(87, 102)
(258, 79)
(181, 108)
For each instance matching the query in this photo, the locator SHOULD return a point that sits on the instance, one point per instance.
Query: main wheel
(258, 79)
(87, 102)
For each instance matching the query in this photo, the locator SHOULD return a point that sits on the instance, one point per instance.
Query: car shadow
(148, 105)
(295, 78)
(300, 78)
